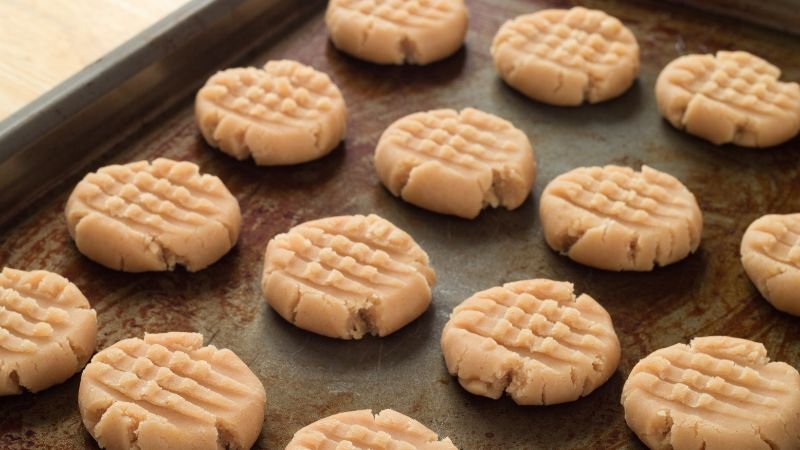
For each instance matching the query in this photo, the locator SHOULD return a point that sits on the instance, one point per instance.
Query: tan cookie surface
(285, 113)
(771, 257)
(730, 97)
(535, 339)
(347, 276)
(169, 391)
(567, 56)
(397, 31)
(363, 430)
(146, 216)
(717, 392)
(47, 330)
(456, 162)
(615, 218)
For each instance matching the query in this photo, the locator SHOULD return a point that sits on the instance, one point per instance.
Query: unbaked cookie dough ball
(730, 97)
(771, 257)
(364, 430)
(616, 218)
(151, 216)
(567, 56)
(456, 162)
(347, 276)
(47, 330)
(168, 391)
(718, 392)
(285, 113)
(536, 340)
(397, 31)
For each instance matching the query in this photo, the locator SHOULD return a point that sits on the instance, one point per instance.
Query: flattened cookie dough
(567, 56)
(347, 276)
(285, 113)
(771, 257)
(47, 330)
(168, 391)
(717, 392)
(387, 430)
(456, 162)
(397, 31)
(535, 339)
(730, 97)
(146, 216)
(615, 218)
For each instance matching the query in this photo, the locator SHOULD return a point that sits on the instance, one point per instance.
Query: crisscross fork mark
(762, 105)
(427, 16)
(423, 129)
(781, 247)
(630, 204)
(339, 431)
(763, 387)
(201, 200)
(107, 378)
(215, 402)
(701, 385)
(389, 268)
(368, 235)
(192, 216)
(135, 223)
(664, 391)
(531, 41)
(365, 283)
(510, 299)
(586, 207)
(301, 278)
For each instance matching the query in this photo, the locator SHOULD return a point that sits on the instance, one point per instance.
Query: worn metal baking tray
(308, 376)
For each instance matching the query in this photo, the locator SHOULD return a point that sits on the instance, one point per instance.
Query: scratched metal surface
(307, 376)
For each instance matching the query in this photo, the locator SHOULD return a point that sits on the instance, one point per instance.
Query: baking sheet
(308, 376)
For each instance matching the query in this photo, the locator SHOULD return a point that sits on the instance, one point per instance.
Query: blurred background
(44, 42)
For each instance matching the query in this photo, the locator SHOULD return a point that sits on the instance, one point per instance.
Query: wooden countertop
(44, 42)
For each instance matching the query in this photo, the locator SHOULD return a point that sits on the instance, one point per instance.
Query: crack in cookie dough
(285, 113)
(771, 257)
(347, 276)
(536, 340)
(716, 392)
(567, 57)
(397, 31)
(167, 390)
(730, 97)
(47, 330)
(456, 162)
(146, 216)
(615, 218)
(387, 430)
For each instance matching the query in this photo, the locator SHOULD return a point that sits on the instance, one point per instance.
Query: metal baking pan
(308, 376)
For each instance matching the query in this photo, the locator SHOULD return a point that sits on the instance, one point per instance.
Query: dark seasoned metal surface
(307, 376)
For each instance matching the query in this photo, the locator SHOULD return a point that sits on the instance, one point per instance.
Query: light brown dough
(533, 339)
(615, 218)
(771, 257)
(716, 393)
(567, 56)
(347, 276)
(355, 430)
(47, 330)
(168, 391)
(146, 216)
(285, 113)
(397, 31)
(456, 162)
(730, 97)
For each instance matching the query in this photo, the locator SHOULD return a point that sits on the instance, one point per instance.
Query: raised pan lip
(33, 121)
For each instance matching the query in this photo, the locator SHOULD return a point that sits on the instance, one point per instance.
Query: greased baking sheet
(308, 376)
